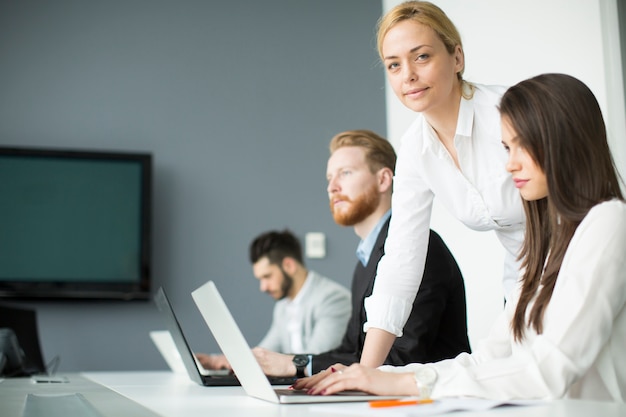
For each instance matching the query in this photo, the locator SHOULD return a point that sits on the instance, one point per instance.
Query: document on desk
(437, 407)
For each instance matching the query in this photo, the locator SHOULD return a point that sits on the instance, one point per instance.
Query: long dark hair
(559, 123)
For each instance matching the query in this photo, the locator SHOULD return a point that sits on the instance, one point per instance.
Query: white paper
(437, 407)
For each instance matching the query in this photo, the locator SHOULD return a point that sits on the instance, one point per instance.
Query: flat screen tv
(74, 224)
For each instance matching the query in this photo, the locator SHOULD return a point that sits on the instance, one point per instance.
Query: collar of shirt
(294, 319)
(364, 250)
(298, 298)
(464, 126)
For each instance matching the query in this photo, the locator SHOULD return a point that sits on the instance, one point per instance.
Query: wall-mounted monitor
(74, 224)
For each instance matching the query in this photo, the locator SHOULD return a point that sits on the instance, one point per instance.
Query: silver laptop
(195, 371)
(164, 343)
(244, 364)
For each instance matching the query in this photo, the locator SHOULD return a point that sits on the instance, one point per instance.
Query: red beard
(358, 209)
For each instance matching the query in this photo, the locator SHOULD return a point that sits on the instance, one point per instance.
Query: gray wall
(236, 101)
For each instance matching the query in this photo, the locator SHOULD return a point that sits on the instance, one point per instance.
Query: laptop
(164, 343)
(237, 351)
(196, 372)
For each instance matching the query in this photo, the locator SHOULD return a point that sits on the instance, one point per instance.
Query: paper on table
(442, 406)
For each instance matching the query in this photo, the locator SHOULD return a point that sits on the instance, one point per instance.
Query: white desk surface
(174, 395)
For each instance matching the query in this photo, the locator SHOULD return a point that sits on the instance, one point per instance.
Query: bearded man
(311, 311)
(360, 175)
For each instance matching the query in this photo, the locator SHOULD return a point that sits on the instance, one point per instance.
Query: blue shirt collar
(364, 250)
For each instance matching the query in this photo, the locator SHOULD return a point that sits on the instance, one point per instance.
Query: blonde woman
(452, 151)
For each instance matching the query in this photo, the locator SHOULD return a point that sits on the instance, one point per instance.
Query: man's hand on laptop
(213, 361)
(273, 363)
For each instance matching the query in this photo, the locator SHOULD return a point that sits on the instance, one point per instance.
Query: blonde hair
(378, 151)
(427, 14)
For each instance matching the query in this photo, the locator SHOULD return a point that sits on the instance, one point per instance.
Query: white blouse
(481, 194)
(580, 353)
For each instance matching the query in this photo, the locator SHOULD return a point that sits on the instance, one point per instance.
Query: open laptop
(165, 345)
(237, 351)
(194, 369)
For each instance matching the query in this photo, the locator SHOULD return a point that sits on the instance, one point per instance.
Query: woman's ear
(459, 58)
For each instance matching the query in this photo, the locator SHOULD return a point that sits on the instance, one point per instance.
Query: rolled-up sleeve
(401, 269)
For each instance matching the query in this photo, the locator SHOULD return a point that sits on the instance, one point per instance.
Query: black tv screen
(74, 224)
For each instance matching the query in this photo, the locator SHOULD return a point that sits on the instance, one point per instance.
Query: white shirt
(295, 310)
(580, 353)
(481, 195)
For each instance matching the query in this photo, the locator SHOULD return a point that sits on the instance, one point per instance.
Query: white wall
(506, 42)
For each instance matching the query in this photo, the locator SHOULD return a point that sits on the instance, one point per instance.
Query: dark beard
(360, 208)
(286, 285)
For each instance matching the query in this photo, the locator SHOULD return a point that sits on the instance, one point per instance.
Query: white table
(166, 394)
(174, 395)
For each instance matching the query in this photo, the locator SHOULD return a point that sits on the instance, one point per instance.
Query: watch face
(301, 360)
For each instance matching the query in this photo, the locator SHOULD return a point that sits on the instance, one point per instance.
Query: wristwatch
(300, 361)
(425, 378)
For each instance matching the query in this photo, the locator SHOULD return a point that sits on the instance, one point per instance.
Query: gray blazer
(325, 307)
